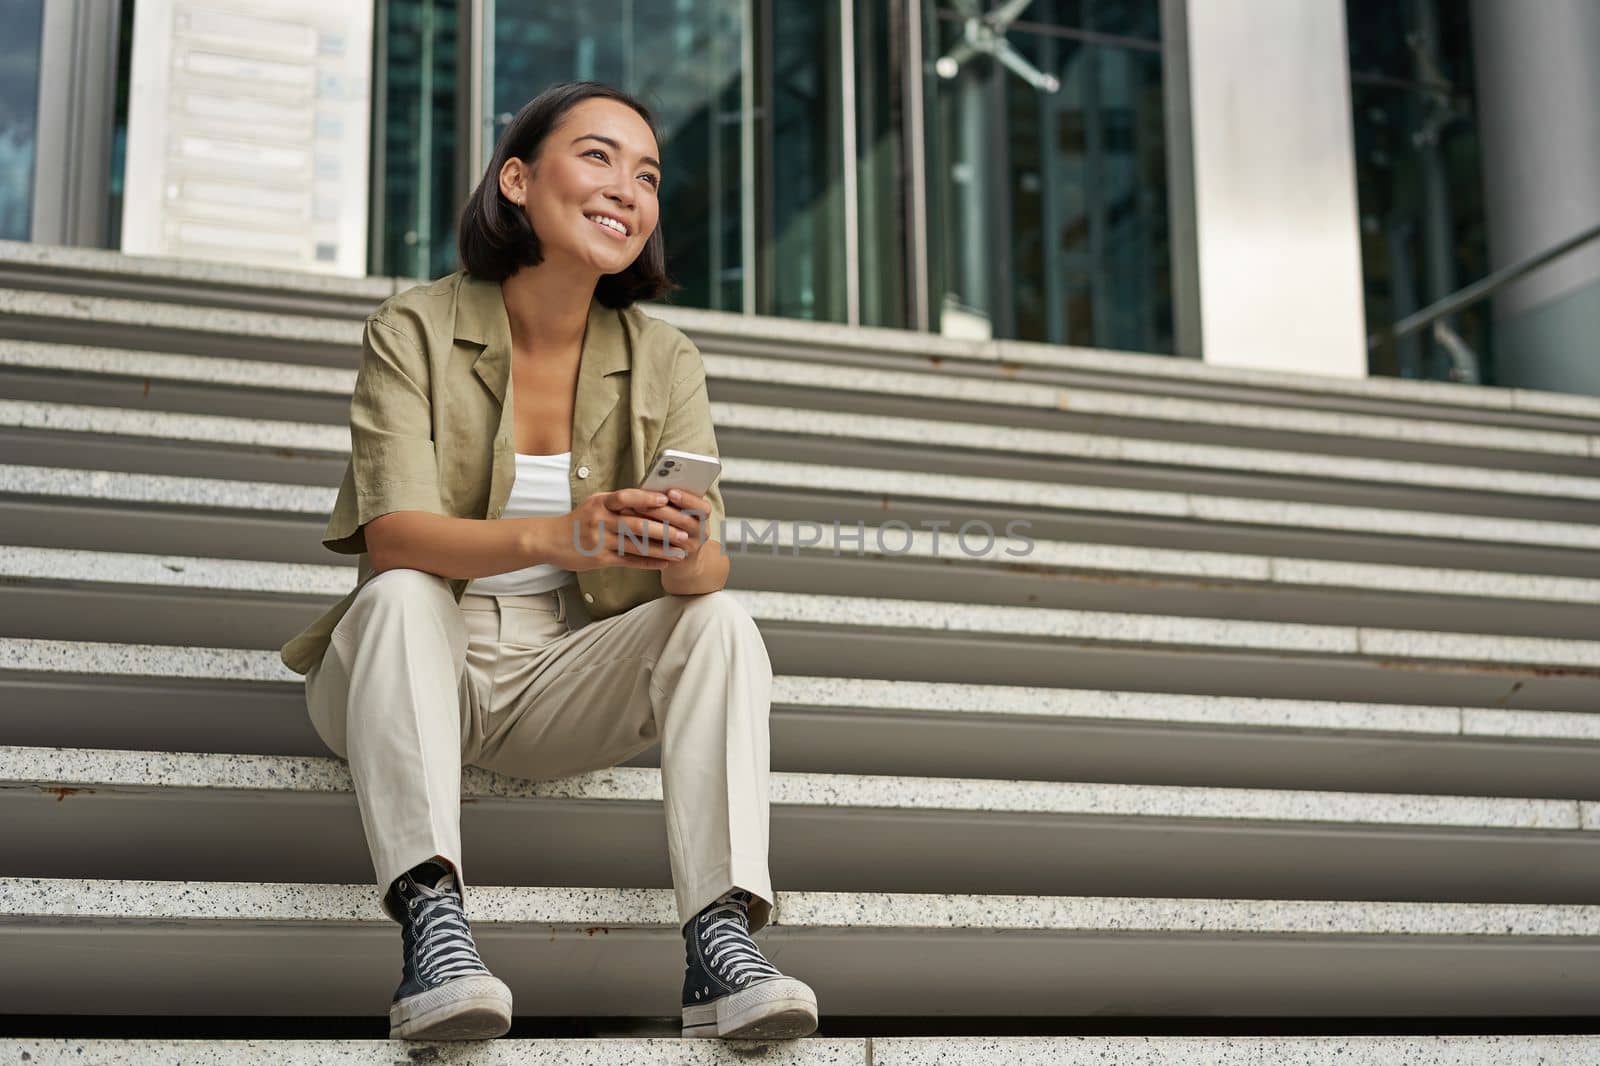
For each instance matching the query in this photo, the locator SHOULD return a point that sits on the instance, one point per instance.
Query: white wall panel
(248, 132)
(1275, 195)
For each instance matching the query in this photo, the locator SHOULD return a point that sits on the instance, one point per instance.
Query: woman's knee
(716, 608)
(405, 587)
(404, 581)
(402, 592)
(723, 612)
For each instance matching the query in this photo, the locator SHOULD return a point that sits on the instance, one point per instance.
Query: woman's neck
(548, 310)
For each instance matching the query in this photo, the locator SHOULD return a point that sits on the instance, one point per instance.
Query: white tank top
(541, 489)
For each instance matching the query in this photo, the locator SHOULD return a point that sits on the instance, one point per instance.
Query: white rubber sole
(467, 1008)
(777, 1009)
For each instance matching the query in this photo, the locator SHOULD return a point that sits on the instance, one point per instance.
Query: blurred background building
(1262, 183)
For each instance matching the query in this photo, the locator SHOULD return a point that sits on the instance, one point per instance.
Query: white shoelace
(444, 947)
(731, 954)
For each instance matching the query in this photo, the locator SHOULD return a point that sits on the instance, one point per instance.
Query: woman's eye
(655, 182)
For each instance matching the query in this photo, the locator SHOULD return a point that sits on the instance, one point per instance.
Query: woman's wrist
(535, 539)
(706, 571)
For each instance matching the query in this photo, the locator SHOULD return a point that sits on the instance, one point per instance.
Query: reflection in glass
(1418, 176)
(1048, 211)
(804, 240)
(19, 104)
(881, 172)
(419, 147)
(682, 60)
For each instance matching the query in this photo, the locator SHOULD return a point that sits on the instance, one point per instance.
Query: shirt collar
(481, 319)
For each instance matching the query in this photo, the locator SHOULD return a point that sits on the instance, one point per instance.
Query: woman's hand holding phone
(676, 513)
(597, 525)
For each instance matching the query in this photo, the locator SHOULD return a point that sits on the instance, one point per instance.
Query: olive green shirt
(431, 427)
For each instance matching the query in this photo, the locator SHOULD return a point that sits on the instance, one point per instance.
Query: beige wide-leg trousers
(414, 687)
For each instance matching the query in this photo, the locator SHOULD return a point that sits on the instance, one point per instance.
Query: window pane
(19, 103)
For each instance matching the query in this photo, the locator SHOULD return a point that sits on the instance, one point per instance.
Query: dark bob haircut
(495, 238)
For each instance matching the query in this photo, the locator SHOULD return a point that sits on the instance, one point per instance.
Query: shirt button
(583, 471)
(588, 597)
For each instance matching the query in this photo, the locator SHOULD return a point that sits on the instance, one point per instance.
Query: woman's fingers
(638, 499)
(637, 535)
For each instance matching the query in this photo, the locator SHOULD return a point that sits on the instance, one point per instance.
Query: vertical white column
(1536, 85)
(1277, 235)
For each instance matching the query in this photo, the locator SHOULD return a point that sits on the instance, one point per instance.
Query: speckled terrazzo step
(50, 567)
(201, 947)
(107, 273)
(98, 813)
(111, 490)
(1200, 518)
(144, 696)
(984, 448)
(1378, 1050)
(25, 265)
(109, 596)
(66, 317)
(967, 399)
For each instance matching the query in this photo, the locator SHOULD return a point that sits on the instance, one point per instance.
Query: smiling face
(599, 160)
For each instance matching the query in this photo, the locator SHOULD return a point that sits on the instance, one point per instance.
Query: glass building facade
(971, 168)
(790, 185)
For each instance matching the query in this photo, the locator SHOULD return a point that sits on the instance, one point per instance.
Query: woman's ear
(513, 180)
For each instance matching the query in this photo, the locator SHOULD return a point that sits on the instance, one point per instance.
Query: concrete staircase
(1283, 723)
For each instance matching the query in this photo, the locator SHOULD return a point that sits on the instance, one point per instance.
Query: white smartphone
(675, 469)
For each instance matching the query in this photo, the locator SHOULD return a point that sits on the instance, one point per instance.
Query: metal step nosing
(741, 532)
(879, 429)
(1341, 1050)
(283, 777)
(329, 381)
(853, 695)
(708, 326)
(912, 485)
(38, 901)
(52, 566)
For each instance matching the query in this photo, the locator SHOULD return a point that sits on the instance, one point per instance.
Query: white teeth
(613, 223)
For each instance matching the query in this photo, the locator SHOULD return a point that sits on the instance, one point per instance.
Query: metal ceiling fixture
(985, 33)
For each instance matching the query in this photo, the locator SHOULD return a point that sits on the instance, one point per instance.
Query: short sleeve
(392, 462)
(688, 425)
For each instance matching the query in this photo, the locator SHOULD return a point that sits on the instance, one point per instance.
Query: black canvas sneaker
(446, 992)
(729, 989)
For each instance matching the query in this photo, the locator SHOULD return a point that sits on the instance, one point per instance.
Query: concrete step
(112, 596)
(1043, 405)
(139, 696)
(149, 325)
(953, 447)
(233, 948)
(667, 1050)
(95, 273)
(101, 813)
(86, 510)
(63, 506)
(314, 452)
(161, 279)
(808, 384)
(111, 570)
